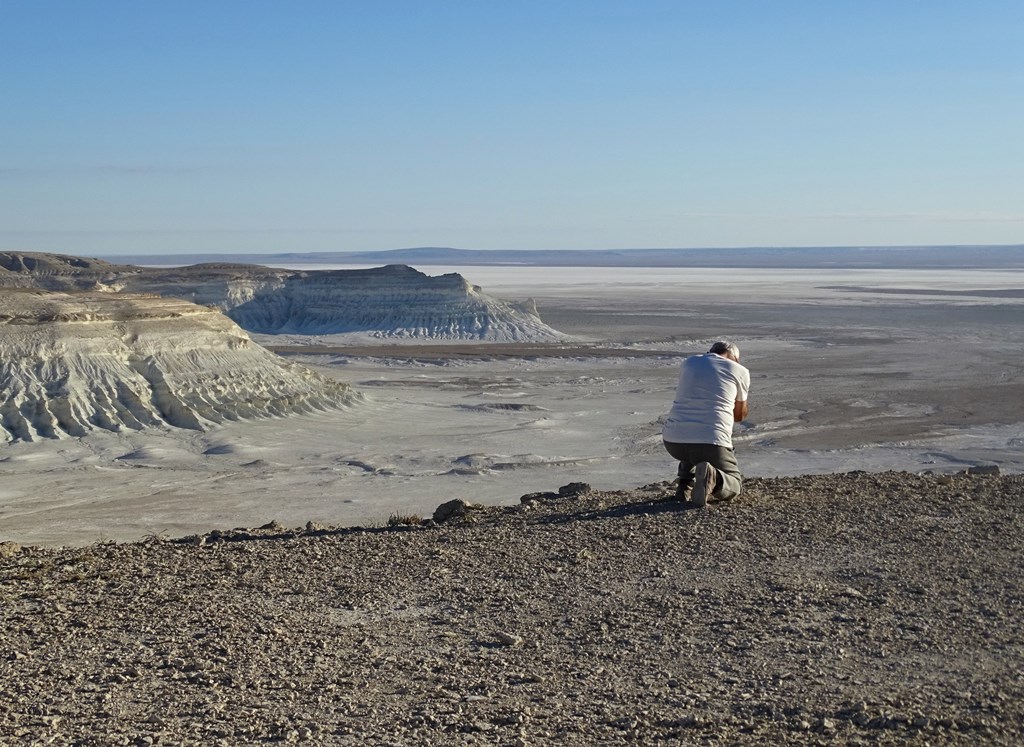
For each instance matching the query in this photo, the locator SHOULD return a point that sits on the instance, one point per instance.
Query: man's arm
(739, 411)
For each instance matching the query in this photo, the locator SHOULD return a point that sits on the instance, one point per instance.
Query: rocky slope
(388, 302)
(57, 271)
(72, 362)
(834, 609)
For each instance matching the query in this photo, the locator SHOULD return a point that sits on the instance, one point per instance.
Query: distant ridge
(835, 257)
(393, 302)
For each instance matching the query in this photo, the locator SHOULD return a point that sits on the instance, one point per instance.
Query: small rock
(532, 498)
(509, 639)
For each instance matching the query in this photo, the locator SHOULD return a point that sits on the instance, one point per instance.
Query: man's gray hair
(724, 347)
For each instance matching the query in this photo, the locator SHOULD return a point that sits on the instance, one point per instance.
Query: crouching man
(710, 398)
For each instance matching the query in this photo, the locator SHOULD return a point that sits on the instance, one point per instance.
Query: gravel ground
(834, 609)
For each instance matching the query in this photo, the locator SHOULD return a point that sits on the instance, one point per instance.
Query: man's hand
(739, 411)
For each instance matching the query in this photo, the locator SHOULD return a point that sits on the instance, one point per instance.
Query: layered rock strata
(74, 362)
(395, 301)
(59, 272)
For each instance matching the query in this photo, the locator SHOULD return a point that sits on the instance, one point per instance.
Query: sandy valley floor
(850, 371)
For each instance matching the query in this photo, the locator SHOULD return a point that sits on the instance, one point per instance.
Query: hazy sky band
(193, 126)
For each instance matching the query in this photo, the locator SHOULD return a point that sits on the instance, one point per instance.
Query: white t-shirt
(702, 413)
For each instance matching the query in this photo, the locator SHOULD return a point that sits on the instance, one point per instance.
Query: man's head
(726, 350)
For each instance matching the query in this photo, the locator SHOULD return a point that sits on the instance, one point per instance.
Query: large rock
(983, 469)
(451, 510)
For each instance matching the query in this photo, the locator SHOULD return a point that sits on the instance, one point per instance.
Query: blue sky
(223, 126)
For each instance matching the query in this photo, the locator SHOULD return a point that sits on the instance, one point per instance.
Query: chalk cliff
(395, 301)
(71, 362)
(392, 301)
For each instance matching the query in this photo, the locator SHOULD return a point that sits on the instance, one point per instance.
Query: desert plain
(272, 581)
(851, 370)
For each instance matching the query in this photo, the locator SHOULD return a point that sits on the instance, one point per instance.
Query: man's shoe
(679, 496)
(707, 477)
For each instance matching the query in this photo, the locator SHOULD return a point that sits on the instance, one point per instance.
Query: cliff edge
(828, 609)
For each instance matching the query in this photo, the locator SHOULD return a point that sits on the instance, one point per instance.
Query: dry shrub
(402, 520)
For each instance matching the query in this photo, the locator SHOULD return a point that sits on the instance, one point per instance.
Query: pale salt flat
(842, 380)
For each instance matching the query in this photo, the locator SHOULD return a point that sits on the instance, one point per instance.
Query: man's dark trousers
(722, 458)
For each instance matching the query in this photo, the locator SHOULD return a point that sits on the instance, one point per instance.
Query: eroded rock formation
(395, 301)
(75, 361)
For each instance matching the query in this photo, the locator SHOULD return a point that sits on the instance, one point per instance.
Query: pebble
(656, 628)
(509, 639)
